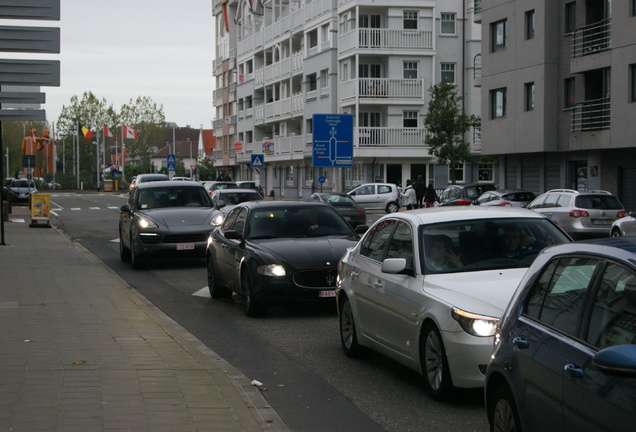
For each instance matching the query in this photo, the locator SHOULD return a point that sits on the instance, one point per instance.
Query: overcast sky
(122, 49)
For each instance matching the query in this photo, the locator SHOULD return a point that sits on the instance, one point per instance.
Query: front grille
(320, 278)
(186, 238)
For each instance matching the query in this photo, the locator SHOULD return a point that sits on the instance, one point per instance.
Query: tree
(446, 126)
(148, 120)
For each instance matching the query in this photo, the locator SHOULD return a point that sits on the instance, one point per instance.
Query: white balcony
(390, 137)
(372, 39)
(382, 88)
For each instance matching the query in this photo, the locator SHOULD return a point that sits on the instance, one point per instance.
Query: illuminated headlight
(476, 325)
(217, 220)
(145, 223)
(271, 270)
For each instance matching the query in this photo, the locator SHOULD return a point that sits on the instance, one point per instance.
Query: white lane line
(115, 240)
(75, 208)
(203, 292)
(93, 208)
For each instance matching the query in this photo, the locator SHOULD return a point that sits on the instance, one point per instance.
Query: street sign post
(257, 161)
(333, 140)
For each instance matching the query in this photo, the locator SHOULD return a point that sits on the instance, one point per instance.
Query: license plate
(185, 246)
(602, 221)
(328, 293)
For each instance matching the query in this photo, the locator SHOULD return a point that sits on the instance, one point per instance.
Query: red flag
(108, 133)
(129, 132)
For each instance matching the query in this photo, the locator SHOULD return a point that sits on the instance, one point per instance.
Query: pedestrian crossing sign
(257, 161)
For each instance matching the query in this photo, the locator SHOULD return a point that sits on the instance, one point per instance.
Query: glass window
(568, 93)
(410, 69)
(312, 82)
(325, 33)
(376, 242)
(486, 172)
(448, 72)
(557, 299)
(498, 35)
(530, 24)
(498, 103)
(410, 20)
(529, 96)
(459, 172)
(570, 17)
(447, 24)
(409, 119)
(401, 245)
(324, 78)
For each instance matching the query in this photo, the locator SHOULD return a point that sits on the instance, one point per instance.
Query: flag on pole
(107, 132)
(88, 134)
(128, 132)
(201, 149)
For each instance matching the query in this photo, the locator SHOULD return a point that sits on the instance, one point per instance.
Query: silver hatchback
(581, 214)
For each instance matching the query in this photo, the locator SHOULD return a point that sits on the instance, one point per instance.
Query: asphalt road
(294, 351)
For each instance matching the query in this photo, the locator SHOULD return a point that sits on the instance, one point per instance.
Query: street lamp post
(190, 142)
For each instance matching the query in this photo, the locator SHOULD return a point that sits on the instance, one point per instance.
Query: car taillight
(579, 213)
(620, 214)
(464, 202)
(360, 210)
(505, 204)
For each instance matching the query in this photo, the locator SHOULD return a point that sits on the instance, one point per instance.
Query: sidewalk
(80, 350)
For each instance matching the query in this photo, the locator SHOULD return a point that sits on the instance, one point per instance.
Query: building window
(312, 82)
(289, 174)
(529, 96)
(447, 24)
(632, 81)
(570, 17)
(358, 172)
(325, 33)
(409, 119)
(486, 172)
(530, 24)
(410, 70)
(459, 172)
(324, 78)
(312, 38)
(568, 93)
(498, 35)
(448, 72)
(410, 20)
(498, 103)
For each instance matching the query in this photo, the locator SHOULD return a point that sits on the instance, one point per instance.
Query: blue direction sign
(333, 140)
(257, 161)
(171, 162)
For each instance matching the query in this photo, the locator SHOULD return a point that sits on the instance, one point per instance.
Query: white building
(279, 62)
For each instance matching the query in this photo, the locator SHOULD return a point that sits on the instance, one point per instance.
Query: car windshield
(233, 198)
(162, 197)
(603, 202)
(519, 196)
(22, 184)
(461, 246)
(314, 221)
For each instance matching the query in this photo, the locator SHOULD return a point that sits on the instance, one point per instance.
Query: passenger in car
(441, 255)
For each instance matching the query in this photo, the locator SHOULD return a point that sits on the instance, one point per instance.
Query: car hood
(181, 216)
(308, 252)
(484, 292)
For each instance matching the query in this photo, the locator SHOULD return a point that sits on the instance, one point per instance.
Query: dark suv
(455, 195)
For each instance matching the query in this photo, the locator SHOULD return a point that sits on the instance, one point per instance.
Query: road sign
(333, 140)
(171, 162)
(31, 9)
(30, 72)
(22, 114)
(30, 39)
(257, 161)
(31, 98)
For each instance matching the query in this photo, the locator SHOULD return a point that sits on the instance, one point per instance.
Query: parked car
(224, 200)
(565, 352)
(455, 195)
(274, 251)
(505, 198)
(211, 186)
(143, 178)
(581, 214)
(345, 205)
(164, 219)
(19, 190)
(181, 179)
(427, 287)
(251, 185)
(377, 196)
(625, 226)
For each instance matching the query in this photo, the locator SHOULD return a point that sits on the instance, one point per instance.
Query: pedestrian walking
(420, 190)
(408, 196)
(430, 196)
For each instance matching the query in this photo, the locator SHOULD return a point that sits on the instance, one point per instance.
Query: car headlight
(217, 220)
(146, 223)
(474, 324)
(271, 270)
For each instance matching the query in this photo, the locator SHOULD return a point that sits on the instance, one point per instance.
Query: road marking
(203, 292)
(75, 208)
(93, 208)
(17, 220)
(115, 240)
(113, 207)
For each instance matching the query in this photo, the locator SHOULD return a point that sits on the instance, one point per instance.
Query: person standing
(410, 200)
(430, 196)
(420, 190)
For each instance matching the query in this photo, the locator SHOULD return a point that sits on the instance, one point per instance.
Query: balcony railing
(592, 39)
(382, 88)
(591, 115)
(391, 137)
(375, 38)
(477, 66)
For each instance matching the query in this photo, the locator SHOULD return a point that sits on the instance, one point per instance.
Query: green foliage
(206, 169)
(446, 126)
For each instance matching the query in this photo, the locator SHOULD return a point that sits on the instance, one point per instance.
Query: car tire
(124, 252)
(251, 306)
(216, 291)
(616, 233)
(434, 364)
(504, 416)
(135, 257)
(348, 336)
(392, 207)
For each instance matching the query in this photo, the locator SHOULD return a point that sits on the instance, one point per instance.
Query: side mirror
(233, 235)
(126, 208)
(361, 229)
(393, 265)
(220, 204)
(619, 360)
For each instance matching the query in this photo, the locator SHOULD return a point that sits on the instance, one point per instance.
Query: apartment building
(559, 94)
(279, 62)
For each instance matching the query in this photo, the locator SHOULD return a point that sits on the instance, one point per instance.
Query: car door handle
(520, 343)
(378, 284)
(574, 370)
(224, 245)
(354, 275)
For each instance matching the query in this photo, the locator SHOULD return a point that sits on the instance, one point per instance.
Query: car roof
(168, 183)
(617, 247)
(282, 204)
(150, 176)
(236, 190)
(444, 214)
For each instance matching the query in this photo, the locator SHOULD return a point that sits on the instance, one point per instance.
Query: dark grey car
(20, 190)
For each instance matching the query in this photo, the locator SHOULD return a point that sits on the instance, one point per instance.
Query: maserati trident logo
(329, 280)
